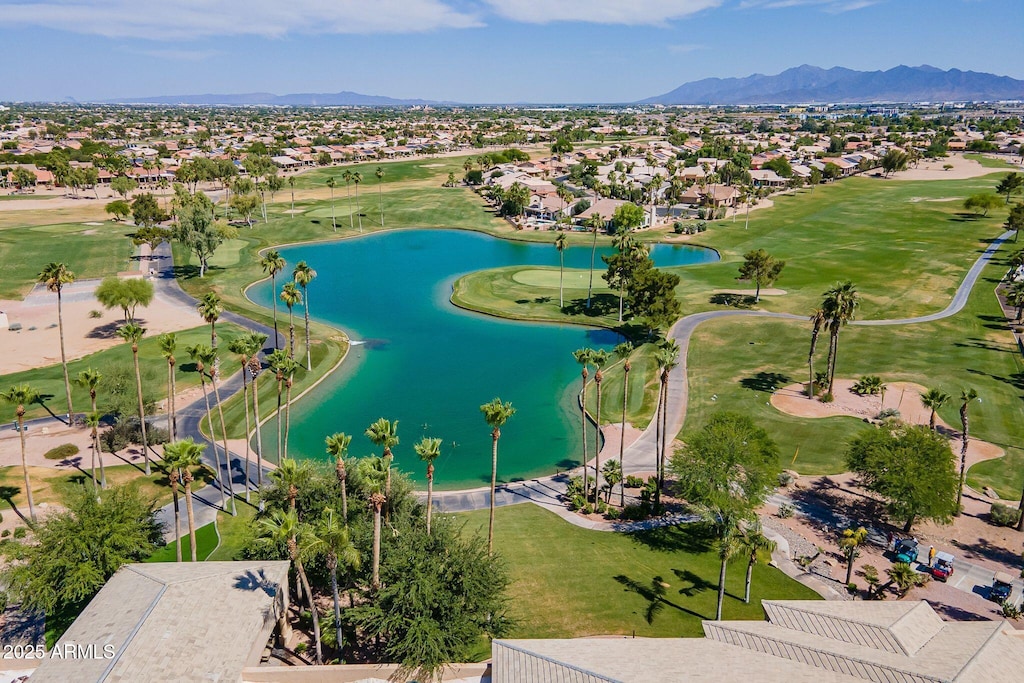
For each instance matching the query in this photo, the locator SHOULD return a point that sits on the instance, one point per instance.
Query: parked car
(1001, 587)
(906, 550)
(942, 568)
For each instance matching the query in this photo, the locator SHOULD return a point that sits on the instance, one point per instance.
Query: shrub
(587, 509)
(577, 502)
(786, 478)
(1003, 515)
(786, 511)
(634, 482)
(95, 314)
(5, 533)
(828, 398)
(301, 647)
(1010, 610)
(20, 532)
(700, 226)
(634, 513)
(61, 452)
(127, 431)
(611, 513)
(851, 588)
(889, 414)
(677, 228)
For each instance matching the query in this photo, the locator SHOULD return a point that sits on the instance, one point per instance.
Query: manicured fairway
(569, 582)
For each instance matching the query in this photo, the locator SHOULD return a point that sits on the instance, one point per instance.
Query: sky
(478, 51)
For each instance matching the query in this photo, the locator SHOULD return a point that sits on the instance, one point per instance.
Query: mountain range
(810, 84)
(336, 99)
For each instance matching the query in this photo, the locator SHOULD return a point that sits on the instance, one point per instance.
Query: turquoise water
(431, 365)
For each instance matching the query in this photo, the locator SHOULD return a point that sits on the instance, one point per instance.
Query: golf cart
(942, 567)
(906, 550)
(1001, 588)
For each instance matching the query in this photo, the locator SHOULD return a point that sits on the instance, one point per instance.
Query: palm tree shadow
(654, 594)
(7, 494)
(765, 381)
(698, 584)
(686, 538)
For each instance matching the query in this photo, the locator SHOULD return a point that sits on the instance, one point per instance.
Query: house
(767, 178)
(605, 207)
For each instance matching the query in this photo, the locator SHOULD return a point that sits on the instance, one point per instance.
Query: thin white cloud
(831, 6)
(188, 19)
(634, 13)
(684, 49)
(179, 55)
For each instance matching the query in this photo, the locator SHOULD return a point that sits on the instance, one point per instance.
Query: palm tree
(667, 358)
(168, 345)
(303, 276)
(347, 177)
(210, 307)
(496, 414)
(904, 577)
(817, 320)
(90, 379)
(561, 242)
(256, 341)
(289, 382)
(623, 241)
(199, 353)
(272, 264)
(583, 357)
(374, 472)
(337, 448)
(291, 184)
(727, 547)
(966, 397)
(851, 540)
(213, 364)
(1015, 297)
(599, 358)
(934, 399)
(623, 351)
(595, 223)
(291, 296)
(133, 333)
(754, 542)
(92, 421)
(55, 276)
(839, 305)
(173, 468)
(20, 396)
(332, 539)
(429, 449)
(384, 433)
(331, 183)
(279, 363)
(182, 456)
(242, 346)
(285, 527)
(380, 196)
(292, 475)
(357, 178)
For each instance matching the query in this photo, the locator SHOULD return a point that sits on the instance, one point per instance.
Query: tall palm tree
(133, 333)
(817, 320)
(595, 223)
(184, 456)
(561, 243)
(285, 527)
(599, 358)
(291, 297)
(199, 353)
(429, 449)
(242, 347)
(373, 472)
(624, 350)
(272, 264)
(753, 541)
(583, 357)
(303, 276)
(851, 540)
(256, 341)
(384, 433)
(291, 184)
(331, 538)
(173, 468)
(840, 305)
(168, 345)
(667, 358)
(279, 362)
(496, 414)
(55, 276)
(20, 396)
(292, 475)
(347, 177)
(728, 544)
(289, 382)
(966, 397)
(210, 307)
(934, 399)
(331, 183)
(624, 242)
(89, 379)
(92, 421)
(357, 178)
(380, 196)
(337, 448)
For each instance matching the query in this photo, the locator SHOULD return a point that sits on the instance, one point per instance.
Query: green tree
(561, 243)
(55, 276)
(255, 342)
(347, 177)
(622, 266)
(197, 229)
(119, 209)
(243, 347)
(125, 293)
(908, 466)
(180, 458)
(598, 358)
(384, 433)
(753, 541)
(23, 178)
(967, 396)
(496, 414)
(651, 295)
(244, 204)
(904, 577)
(272, 264)
(612, 473)
(145, 211)
(357, 178)
(595, 223)
(1015, 221)
(818, 319)
(199, 354)
(168, 345)
(934, 399)
(210, 307)
(123, 185)
(373, 473)
(982, 202)
(332, 183)
(20, 396)
(1010, 183)
(667, 358)
(380, 192)
(279, 363)
(624, 351)
(839, 304)
(330, 537)
(628, 217)
(132, 334)
(583, 357)
(92, 421)
(304, 276)
(815, 177)
(726, 470)
(429, 449)
(762, 269)
(73, 552)
(851, 540)
(892, 161)
(561, 146)
(337, 447)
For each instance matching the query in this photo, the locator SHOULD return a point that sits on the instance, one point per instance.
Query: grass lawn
(733, 365)
(219, 542)
(990, 162)
(90, 251)
(116, 364)
(49, 485)
(206, 541)
(569, 582)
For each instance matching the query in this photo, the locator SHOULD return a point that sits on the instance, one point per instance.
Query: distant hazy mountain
(806, 84)
(336, 99)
